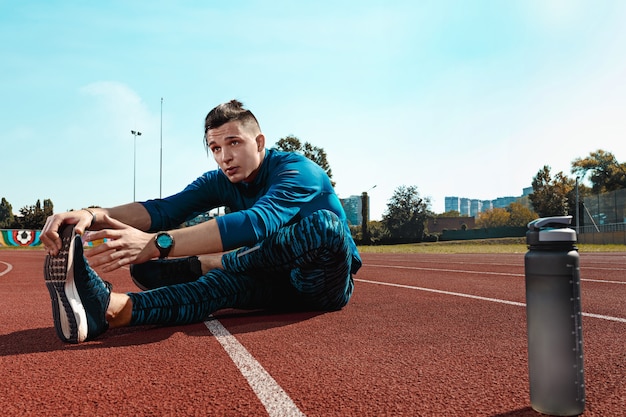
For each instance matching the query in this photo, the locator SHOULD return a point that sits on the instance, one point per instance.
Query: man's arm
(132, 214)
(200, 239)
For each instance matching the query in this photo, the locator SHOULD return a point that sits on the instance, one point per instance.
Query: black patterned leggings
(305, 266)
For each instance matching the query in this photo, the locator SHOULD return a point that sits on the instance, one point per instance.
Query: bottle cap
(550, 230)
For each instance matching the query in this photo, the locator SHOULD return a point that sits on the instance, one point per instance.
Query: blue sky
(462, 98)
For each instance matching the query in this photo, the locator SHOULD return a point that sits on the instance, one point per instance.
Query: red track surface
(394, 350)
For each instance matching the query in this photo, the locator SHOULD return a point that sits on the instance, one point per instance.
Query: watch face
(164, 240)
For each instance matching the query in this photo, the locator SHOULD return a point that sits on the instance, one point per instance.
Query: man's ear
(260, 142)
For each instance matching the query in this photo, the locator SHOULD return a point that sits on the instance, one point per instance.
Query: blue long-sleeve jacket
(287, 188)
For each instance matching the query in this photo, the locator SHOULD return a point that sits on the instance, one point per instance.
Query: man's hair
(229, 112)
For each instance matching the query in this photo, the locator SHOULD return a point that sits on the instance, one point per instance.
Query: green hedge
(492, 233)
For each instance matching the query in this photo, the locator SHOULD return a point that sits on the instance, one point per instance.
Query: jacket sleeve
(198, 197)
(294, 192)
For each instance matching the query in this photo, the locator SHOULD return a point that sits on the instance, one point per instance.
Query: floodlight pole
(577, 208)
(161, 156)
(135, 133)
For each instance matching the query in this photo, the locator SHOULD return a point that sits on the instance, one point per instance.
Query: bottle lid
(551, 229)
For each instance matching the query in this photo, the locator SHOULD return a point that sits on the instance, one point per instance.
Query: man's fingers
(110, 234)
(113, 244)
(111, 261)
(50, 235)
(115, 264)
(81, 226)
(102, 255)
(50, 232)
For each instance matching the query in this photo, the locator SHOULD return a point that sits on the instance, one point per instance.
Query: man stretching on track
(286, 244)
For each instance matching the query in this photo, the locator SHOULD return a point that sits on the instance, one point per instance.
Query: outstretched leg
(194, 301)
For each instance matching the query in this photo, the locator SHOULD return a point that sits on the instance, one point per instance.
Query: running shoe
(79, 296)
(163, 272)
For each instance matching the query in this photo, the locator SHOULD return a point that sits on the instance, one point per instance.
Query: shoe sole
(70, 319)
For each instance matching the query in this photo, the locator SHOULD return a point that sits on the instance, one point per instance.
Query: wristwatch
(164, 243)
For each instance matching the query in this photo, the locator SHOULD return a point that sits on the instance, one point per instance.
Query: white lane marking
(603, 317)
(604, 281)
(463, 271)
(275, 400)
(477, 297)
(457, 294)
(585, 266)
(8, 268)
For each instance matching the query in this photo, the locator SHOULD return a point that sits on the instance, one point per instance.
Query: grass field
(505, 245)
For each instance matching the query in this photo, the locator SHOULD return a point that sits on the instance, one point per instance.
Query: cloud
(118, 109)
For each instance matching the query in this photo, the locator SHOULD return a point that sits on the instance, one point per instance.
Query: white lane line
(584, 266)
(457, 294)
(463, 271)
(275, 400)
(477, 297)
(604, 281)
(8, 268)
(446, 270)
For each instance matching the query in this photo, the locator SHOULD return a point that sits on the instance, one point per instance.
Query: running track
(424, 335)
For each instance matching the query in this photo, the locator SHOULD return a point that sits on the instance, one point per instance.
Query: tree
(520, 215)
(495, 217)
(377, 231)
(48, 209)
(515, 215)
(34, 217)
(6, 214)
(553, 196)
(316, 154)
(607, 174)
(406, 214)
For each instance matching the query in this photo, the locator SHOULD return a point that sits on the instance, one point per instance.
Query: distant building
(465, 206)
(476, 206)
(353, 206)
(503, 202)
(471, 207)
(453, 204)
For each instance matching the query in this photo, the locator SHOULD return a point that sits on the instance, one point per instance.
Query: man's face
(237, 149)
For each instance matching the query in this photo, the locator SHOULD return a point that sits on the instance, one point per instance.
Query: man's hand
(50, 233)
(125, 245)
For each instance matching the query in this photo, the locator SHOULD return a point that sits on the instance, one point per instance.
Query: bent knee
(325, 222)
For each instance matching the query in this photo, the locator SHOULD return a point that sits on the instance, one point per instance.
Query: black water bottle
(554, 318)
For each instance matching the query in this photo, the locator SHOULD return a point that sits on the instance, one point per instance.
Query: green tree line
(555, 194)
(30, 217)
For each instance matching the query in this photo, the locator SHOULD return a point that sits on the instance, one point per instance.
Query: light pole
(365, 215)
(577, 208)
(161, 155)
(135, 133)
